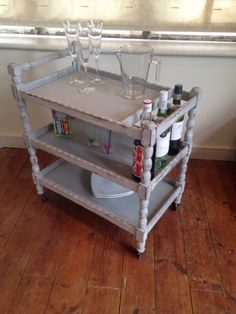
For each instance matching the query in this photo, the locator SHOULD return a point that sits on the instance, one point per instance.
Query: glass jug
(134, 66)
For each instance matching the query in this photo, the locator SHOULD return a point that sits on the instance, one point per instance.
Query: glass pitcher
(134, 65)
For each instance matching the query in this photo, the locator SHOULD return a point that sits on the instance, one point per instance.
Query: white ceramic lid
(103, 188)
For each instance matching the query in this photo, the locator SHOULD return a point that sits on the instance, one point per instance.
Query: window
(137, 17)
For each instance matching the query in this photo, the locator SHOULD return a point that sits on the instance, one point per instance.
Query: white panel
(206, 15)
(179, 12)
(3, 3)
(224, 12)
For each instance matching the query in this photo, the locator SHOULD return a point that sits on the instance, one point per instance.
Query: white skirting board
(213, 153)
(12, 141)
(198, 152)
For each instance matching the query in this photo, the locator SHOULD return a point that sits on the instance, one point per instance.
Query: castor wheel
(44, 197)
(174, 206)
(139, 255)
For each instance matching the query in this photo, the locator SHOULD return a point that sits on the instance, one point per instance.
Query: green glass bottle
(177, 127)
(163, 140)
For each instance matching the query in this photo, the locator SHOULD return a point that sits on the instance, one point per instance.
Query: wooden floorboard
(109, 253)
(50, 242)
(11, 161)
(31, 296)
(203, 268)
(102, 300)
(172, 282)
(222, 224)
(58, 258)
(210, 302)
(227, 172)
(14, 201)
(18, 249)
(74, 266)
(138, 289)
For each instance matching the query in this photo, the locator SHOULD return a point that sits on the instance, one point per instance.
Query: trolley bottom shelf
(74, 183)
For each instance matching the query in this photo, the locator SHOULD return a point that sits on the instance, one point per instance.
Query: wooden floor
(56, 257)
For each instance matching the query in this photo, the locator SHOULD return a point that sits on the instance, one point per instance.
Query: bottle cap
(178, 89)
(147, 101)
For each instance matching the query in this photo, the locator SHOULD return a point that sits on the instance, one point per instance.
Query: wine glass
(84, 45)
(71, 32)
(96, 38)
(92, 135)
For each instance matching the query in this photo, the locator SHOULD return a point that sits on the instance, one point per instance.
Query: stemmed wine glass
(84, 46)
(95, 38)
(71, 32)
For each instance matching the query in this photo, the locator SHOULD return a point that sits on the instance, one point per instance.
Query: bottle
(163, 140)
(138, 147)
(177, 127)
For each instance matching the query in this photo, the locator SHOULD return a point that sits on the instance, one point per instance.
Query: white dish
(103, 188)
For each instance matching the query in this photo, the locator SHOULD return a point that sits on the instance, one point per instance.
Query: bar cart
(105, 108)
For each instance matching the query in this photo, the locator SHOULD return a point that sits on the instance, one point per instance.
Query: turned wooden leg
(184, 164)
(144, 200)
(31, 149)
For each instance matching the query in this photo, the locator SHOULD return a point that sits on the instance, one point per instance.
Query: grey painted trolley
(105, 108)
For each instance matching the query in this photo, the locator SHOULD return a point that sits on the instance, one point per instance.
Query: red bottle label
(138, 160)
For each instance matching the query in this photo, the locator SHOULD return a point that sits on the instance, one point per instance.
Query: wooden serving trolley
(105, 108)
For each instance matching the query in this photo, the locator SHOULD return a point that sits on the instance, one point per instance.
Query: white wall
(215, 130)
(216, 117)
(10, 122)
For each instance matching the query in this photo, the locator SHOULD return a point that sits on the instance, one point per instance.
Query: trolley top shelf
(105, 107)
(106, 102)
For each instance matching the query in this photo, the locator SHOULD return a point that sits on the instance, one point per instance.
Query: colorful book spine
(62, 124)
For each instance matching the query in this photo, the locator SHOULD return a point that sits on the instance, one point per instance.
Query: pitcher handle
(117, 53)
(157, 61)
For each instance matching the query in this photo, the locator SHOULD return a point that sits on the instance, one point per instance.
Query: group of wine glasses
(81, 37)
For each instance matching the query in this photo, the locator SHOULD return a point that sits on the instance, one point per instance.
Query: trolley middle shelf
(116, 166)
